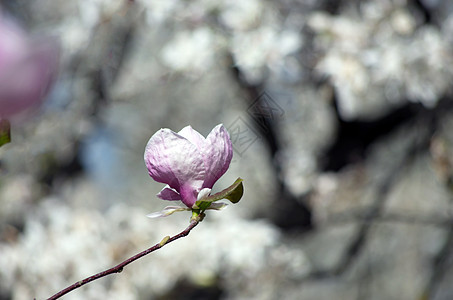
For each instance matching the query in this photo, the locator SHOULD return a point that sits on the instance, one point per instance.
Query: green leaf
(5, 132)
(233, 193)
(236, 194)
(203, 205)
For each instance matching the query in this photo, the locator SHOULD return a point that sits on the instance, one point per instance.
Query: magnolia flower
(27, 68)
(188, 163)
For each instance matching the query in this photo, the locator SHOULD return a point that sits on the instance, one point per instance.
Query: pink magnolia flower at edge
(28, 67)
(187, 162)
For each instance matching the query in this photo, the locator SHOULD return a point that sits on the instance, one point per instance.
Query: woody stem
(118, 268)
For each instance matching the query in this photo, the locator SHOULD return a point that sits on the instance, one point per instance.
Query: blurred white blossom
(241, 15)
(191, 51)
(61, 245)
(381, 59)
(249, 30)
(264, 47)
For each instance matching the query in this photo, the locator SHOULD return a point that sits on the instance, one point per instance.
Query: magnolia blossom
(188, 163)
(27, 68)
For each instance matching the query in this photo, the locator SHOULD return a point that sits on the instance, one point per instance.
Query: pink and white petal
(217, 154)
(167, 193)
(193, 136)
(174, 160)
(189, 194)
(204, 193)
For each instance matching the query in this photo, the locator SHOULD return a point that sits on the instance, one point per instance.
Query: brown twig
(118, 268)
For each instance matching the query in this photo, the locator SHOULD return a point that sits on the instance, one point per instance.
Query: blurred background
(340, 113)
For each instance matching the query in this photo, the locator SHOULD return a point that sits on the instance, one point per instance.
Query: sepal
(169, 210)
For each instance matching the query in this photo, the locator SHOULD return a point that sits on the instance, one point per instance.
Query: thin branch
(118, 268)
(389, 217)
(440, 266)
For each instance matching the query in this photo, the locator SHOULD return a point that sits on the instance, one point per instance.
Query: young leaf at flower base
(236, 194)
(233, 193)
(5, 132)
